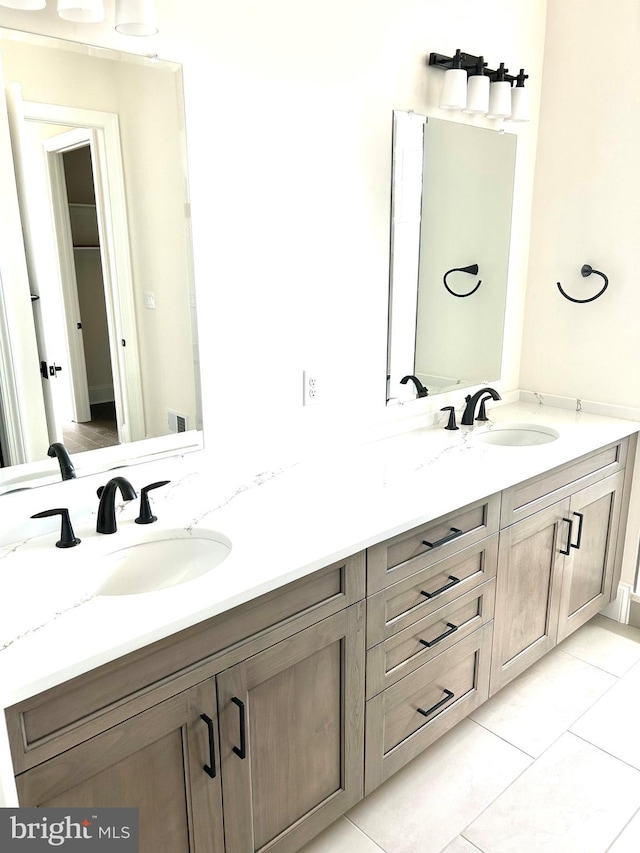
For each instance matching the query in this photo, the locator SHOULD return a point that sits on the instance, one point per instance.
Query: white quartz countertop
(282, 526)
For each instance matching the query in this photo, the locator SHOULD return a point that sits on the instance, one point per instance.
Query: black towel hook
(586, 271)
(472, 270)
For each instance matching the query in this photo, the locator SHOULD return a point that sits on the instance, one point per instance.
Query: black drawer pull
(449, 538)
(447, 695)
(579, 539)
(210, 769)
(566, 551)
(447, 586)
(241, 751)
(430, 643)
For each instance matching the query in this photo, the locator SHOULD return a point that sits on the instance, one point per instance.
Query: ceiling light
(454, 88)
(27, 5)
(136, 17)
(81, 11)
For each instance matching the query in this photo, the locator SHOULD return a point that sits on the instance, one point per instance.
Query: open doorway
(84, 430)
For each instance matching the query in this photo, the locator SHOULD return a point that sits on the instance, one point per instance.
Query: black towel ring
(586, 271)
(472, 270)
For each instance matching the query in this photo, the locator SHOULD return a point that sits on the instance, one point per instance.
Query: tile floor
(100, 431)
(551, 764)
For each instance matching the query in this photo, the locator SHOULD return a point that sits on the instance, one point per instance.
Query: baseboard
(101, 394)
(620, 608)
(634, 612)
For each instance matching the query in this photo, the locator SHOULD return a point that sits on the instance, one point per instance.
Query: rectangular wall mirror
(98, 333)
(452, 197)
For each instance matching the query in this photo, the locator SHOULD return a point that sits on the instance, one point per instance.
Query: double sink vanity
(335, 619)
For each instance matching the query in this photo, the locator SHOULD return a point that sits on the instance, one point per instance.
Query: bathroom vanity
(441, 568)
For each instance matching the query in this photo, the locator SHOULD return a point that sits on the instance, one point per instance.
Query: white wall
(289, 109)
(587, 207)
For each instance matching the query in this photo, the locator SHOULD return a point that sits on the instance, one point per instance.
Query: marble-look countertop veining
(283, 524)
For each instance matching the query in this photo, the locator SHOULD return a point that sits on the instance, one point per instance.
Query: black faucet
(107, 507)
(421, 390)
(66, 465)
(470, 410)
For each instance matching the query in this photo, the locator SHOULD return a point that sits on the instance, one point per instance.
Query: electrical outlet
(311, 388)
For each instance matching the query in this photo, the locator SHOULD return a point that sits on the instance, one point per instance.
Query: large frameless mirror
(98, 333)
(452, 197)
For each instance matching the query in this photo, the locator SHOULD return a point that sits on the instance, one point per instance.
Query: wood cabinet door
(530, 562)
(292, 735)
(153, 762)
(588, 572)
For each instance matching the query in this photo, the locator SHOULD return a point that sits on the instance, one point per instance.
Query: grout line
(595, 665)
(362, 832)
(503, 739)
(623, 829)
(604, 751)
(475, 846)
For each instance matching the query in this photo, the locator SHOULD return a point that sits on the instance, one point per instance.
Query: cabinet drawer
(407, 650)
(399, 606)
(540, 492)
(46, 724)
(407, 717)
(407, 553)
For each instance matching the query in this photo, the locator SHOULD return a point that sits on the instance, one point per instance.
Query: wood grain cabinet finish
(292, 736)
(589, 568)
(555, 571)
(154, 762)
(407, 717)
(420, 642)
(64, 716)
(410, 552)
(528, 592)
(398, 606)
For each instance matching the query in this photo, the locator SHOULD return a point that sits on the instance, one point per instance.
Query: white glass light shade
(81, 11)
(454, 89)
(477, 94)
(499, 99)
(519, 104)
(136, 17)
(27, 5)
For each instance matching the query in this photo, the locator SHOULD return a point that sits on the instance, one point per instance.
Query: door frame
(114, 249)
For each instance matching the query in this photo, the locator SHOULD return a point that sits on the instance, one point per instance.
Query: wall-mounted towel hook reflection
(472, 270)
(586, 271)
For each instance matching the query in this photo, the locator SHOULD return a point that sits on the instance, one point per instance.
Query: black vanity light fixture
(133, 17)
(472, 87)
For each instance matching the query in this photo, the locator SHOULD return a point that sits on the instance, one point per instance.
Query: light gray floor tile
(612, 723)
(341, 837)
(428, 803)
(606, 644)
(460, 845)
(538, 706)
(573, 799)
(629, 840)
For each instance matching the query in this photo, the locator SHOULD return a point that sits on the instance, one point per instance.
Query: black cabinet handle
(579, 539)
(448, 538)
(241, 751)
(430, 643)
(447, 695)
(447, 586)
(210, 769)
(567, 550)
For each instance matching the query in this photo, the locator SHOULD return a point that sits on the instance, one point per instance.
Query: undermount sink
(163, 559)
(517, 435)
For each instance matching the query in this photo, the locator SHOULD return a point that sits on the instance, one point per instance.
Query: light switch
(149, 300)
